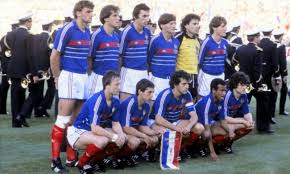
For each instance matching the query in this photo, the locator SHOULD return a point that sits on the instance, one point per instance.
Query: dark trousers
(17, 100)
(49, 94)
(283, 97)
(33, 100)
(272, 98)
(193, 86)
(262, 112)
(4, 87)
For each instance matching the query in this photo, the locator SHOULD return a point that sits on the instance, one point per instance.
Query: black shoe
(269, 131)
(114, 163)
(228, 149)
(87, 169)
(22, 121)
(151, 155)
(272, 121)
(72, 163)
(4, 113)
(99, 167)
(202, 152)
(285, 113)
(129, 161)
(57, 167)
(184, 155)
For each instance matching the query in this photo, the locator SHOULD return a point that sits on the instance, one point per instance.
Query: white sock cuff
(61, 121)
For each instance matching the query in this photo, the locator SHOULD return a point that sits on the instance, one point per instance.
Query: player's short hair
(215, 83)
(238, 78)
(186, 20)
(165, 19)
(46, 27)
(81, 5)
(177, 76)
(143, 85)
(109, 77)
(138, 8)
(107, 11)
(216, 22)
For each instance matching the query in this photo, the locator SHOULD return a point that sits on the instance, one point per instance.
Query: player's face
(143, 18)
(114, 19)
(221, 30)
(115, 86)
(241, 89)
(86, 15)
(147, 94)
(220, 92)
(183, 86)
(257, 39)
(193, 26)
(169, 27)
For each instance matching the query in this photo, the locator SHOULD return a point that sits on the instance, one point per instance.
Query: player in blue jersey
(69, 67)
(98, 123)
(134, 114)
(162, 53)
(174, 109)
(104, 52)
(212, 55)
(210, 113)
(236, 107)
(133, 50)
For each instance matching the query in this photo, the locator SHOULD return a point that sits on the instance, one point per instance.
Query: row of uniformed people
(265, 62)
(23, 54)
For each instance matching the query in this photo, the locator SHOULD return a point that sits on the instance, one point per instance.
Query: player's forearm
(225, 126)
(162, 122)
(117, 128)
(98, 130)
(148, 131)
(193, 119)
(55, 63)
(234, 120)
(134, 132)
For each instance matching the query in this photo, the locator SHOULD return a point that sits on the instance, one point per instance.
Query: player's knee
(206, 135)
(198, 129)
(133, 143)
(102, 142)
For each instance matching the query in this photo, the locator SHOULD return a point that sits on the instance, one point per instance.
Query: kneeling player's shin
(241, 132)
(89, 153)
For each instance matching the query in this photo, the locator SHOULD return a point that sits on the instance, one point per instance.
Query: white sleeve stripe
(123, 38)
(202, 47)
(96, 109)
(179, 34)
(93, 39)
(206, 111)
(226, 103)
(63, 33)
(128, 114)
(189, 104)
(164, 95)
(152, 39)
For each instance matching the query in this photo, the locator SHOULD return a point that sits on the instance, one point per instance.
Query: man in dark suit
(43, 54)
(20, 64)
(281, 52)
(4, 58)
(270, 68)
(251, 54)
